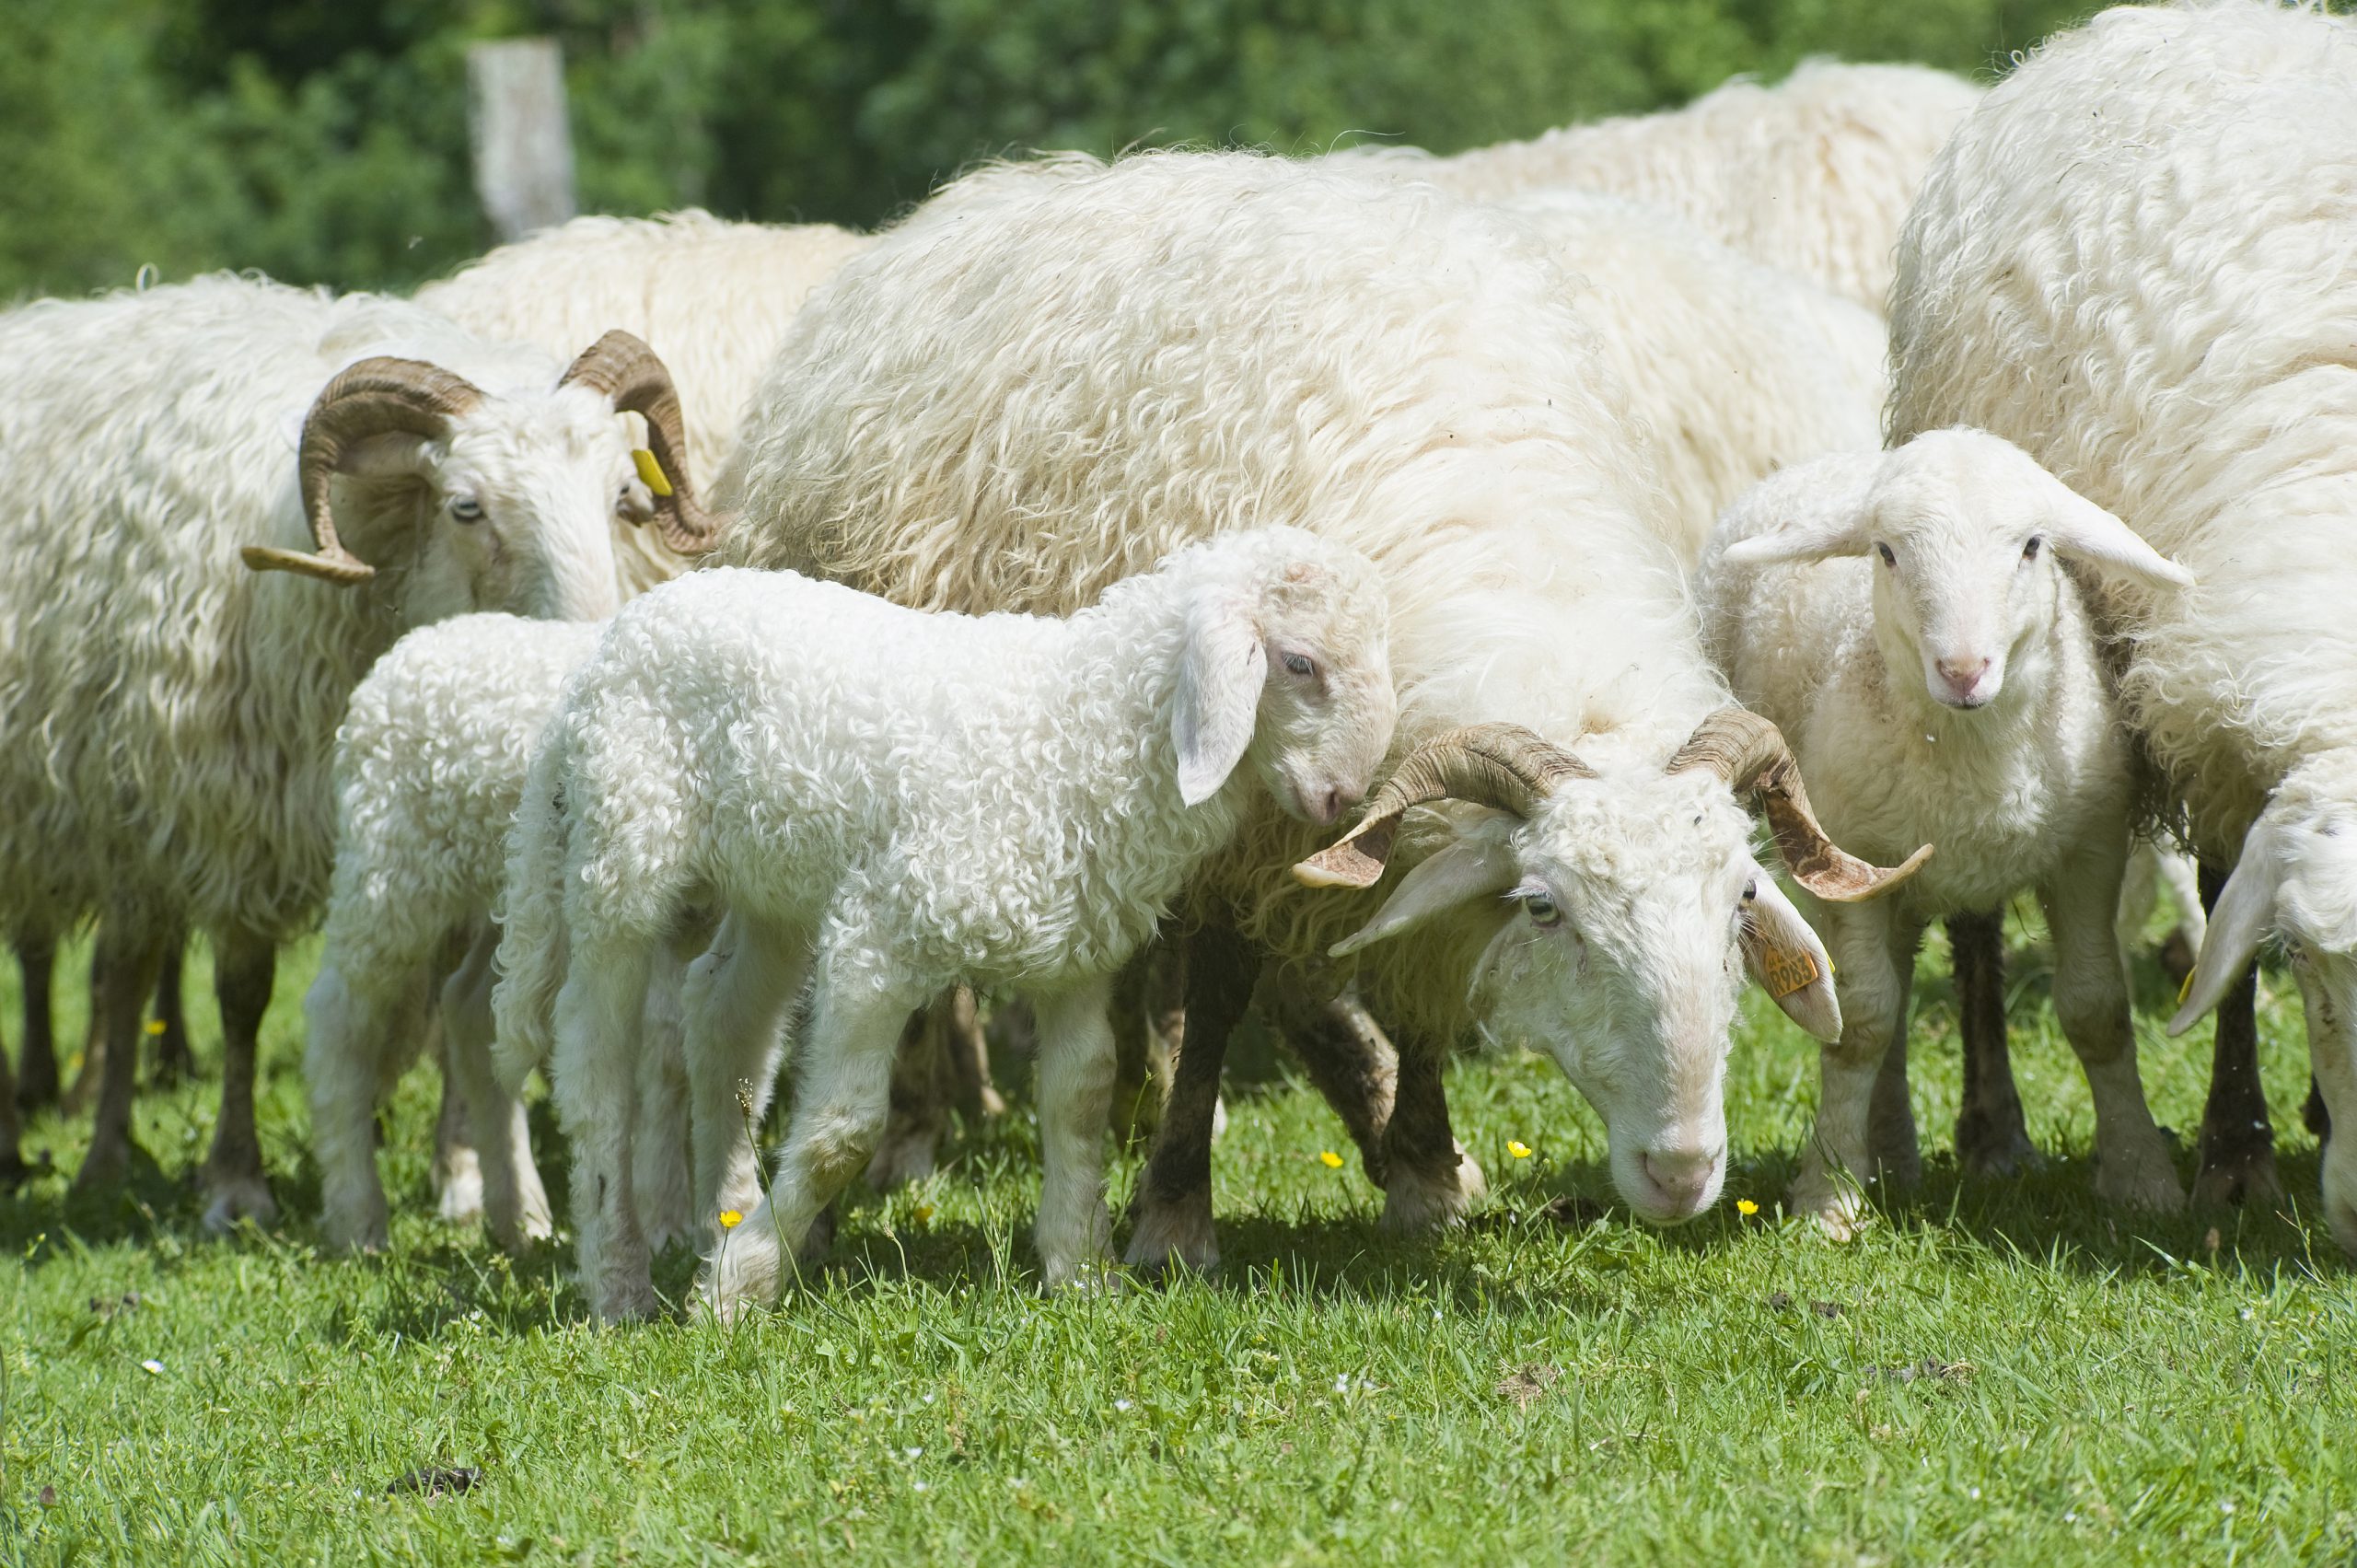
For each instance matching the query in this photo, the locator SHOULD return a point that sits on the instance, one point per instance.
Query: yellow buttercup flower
(1746, 1207)
(154, 1026)
(731, 1219)
(1329, 1159)
(1517, 1148)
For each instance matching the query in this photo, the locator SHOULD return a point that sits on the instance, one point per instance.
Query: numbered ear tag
(1781, 971)
(650, 471)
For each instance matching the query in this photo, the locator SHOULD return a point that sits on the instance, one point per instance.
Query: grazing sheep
(2132, 260)
(1906, 621)
(171, 709)
(1813, 175)
(713, 297)
(891, 803)
(1051, 378)
(1736, 369)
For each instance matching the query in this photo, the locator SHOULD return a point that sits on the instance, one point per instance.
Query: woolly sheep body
(910, 800)
(1736, 368)
(2032, 786)
(2133, 261)
(1814, 174)
(1049, 377)
(713, 297)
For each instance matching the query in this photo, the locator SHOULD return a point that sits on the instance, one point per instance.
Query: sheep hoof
(1999, 1155)
(902, 1158)
(2141, 1187)
(1837, 1207)
(462, 1200)
(2341, 1194)
(1093, 1276)
(236, 1198)
(2246, 1180)
(361, 1236)
(1420, 1202)
(106, 1167)
(1178, 1233)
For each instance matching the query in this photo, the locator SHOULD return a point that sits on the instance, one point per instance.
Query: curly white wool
(905, 801)
(1736, 368)
(2133, 260)
(1813, 175)
(1904, 620)
(712, 296)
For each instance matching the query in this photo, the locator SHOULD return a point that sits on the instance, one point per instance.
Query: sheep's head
(490, 501)
(1286, 667)
(1625, 908)
(1963, 529)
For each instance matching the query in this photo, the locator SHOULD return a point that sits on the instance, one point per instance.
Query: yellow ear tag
(2186, 989)
(1786, 970)
(650, 471)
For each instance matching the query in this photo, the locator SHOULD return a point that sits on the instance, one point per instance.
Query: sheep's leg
(2183, 941)
(1349, 1058)
(127, 965)
(13, 1168)
(2237, 1140)
(1174, 1202)
(37, 1079)
(457, 1164)
(1431, 1183)
(970, 1057)
(2329, 988)
(840, 1098)
(1873, 955)
(515, 1204)
(660, 1140)
(734, 1003)
(918, 1110)
(1891, 1141)
(244, 966)
(1992, 1136)
(173, 1062)
(89, 1083)
(1137, 1099)
(352, 1030)
(2134, 1164)
(2315, 1114)
(597, 1014)
(1074, 1233)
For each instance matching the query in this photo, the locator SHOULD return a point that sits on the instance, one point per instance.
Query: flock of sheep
(664, 641)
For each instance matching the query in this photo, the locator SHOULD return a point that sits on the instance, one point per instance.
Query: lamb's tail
(532, 946)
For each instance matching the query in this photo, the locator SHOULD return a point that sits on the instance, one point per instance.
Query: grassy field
(1998, 1372)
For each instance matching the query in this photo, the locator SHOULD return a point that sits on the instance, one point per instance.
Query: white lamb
(1054, 377)
(1905, 619)
(892, 802)
(169, 707)
(1813, 175)
(2133, 261)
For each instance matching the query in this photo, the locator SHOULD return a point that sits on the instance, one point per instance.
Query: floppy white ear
(2084, 531)
(1813, 511)
(1479, 865)
(2237, 926)
(1221, 671)
(1789, 963)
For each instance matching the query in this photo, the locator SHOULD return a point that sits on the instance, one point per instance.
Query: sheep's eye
(1301, 663)
(1751, 890)
(466, 509)
(1542, 911)
(1888, 558)
(2029, 550)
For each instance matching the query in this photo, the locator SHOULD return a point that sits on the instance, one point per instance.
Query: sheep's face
(1326, 707)
(516, 510)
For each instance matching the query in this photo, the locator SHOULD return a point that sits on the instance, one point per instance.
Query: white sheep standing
(2133, 261)
(1736, 368)
(712, 296)
(1813, 175)
(890, 803)
(171, 708)
(1906, 621)
(1052, 378)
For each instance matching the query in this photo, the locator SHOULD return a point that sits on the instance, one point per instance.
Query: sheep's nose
(1680, 1180)
(1330, 806)
(1963, 675)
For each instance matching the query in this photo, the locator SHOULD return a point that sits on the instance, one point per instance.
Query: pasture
(1998, 1372)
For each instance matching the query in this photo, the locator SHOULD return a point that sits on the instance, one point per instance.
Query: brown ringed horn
(1749, 752)
(635, 378)
(1503, 766)
(371, 397)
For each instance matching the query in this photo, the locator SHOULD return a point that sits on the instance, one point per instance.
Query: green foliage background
(326, 141)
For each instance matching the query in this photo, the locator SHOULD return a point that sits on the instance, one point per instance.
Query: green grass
(2100, 1385)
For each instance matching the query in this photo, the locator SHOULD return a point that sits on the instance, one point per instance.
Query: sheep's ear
(2239, 924)
(2084, 531)
(1221, 672)
(1814, 512)
(1478, 865)
(1788, 961)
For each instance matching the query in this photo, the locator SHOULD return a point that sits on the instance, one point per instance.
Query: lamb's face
(1619, 957)
(518, 509)
(1327, 708)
